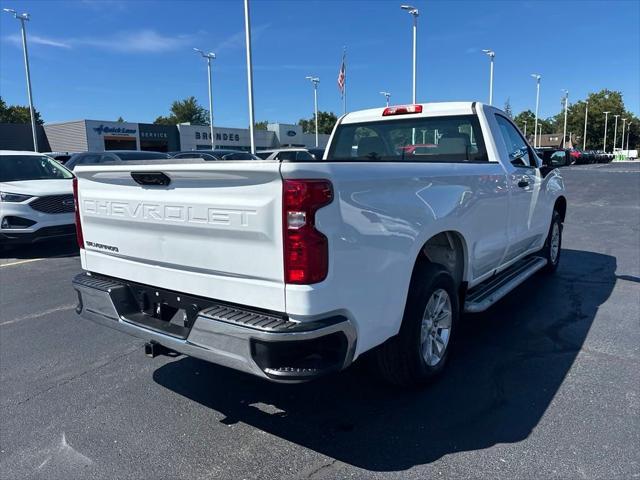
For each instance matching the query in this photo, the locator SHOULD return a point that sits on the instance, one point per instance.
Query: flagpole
(344, 95)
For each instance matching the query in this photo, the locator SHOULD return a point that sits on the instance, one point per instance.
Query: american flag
(342, 76)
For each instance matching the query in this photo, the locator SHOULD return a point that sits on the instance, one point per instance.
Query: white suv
(36, 198)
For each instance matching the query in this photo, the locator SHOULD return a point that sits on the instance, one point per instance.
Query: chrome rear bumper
(270, 346)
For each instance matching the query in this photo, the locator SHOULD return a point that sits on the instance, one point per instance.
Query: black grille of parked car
(54, 204)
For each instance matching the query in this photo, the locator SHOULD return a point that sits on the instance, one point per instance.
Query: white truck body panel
(381, 216)
(216, 232)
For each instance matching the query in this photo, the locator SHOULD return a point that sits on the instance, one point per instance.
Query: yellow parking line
(20, 262)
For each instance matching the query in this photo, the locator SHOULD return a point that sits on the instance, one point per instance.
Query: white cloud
(142, 41)
(148, 41)
(237, 39)
(38, 40)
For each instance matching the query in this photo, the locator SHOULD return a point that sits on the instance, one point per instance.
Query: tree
(120, 120)
(185, 111)
(326, 122)
(600, 102)
(604, 100)
(17, 114)
(261, 125)
(507, 108)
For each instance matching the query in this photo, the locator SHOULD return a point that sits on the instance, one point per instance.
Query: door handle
(523, 183)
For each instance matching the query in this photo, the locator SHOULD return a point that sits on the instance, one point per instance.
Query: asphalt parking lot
(546, 384)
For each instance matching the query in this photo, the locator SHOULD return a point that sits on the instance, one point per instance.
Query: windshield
(15, 168)
(141, 155)
(427, 139)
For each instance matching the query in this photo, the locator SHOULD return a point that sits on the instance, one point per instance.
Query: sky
(101, 59)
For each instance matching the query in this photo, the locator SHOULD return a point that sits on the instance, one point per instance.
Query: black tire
(552, 261)
(400, 360)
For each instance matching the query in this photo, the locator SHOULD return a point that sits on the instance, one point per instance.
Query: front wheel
(553, 245)
(420, 350)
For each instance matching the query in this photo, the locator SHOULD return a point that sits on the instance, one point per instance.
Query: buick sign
(291, 133)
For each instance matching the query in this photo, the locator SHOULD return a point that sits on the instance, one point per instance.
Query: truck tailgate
(214, 231)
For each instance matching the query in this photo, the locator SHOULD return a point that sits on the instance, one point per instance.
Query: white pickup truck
(290, 270)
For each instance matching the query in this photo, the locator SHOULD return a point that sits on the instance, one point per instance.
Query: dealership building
(98, 135)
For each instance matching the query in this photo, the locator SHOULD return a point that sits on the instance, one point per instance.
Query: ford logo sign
(291, 133)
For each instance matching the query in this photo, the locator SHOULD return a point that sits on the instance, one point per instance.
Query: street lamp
(615, 134)
(24, 17)
(247, 40)
(586, 116)
(387, 95)
(604, 143)
(491, 55)
(624, 120)
(535, 130)
(628, 133)
(209, 56)
(525, 129)
(566, 106)
(315, 81)
(413, 11)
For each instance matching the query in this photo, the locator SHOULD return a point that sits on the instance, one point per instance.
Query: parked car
(318, 153)
(217, 154)
(290, 270)
(36, 198)
(289, 154)
(113, 156)
(555, 157)
(61, 157)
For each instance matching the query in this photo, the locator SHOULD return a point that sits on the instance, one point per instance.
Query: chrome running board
(489, 292)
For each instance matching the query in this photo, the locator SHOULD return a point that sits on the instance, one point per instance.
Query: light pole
(525, 129)
(24, 17)
(413, 11)
(535, 130)
(387, 95)
(209, 56)
(491, 55)
(247, 36)
(624, 120)
(566, 106)
(628, 133)
(586, 116)
(615, 134)
(604, 142)
(315, 81)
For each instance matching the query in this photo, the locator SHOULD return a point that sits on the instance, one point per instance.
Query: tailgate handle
(151, 178)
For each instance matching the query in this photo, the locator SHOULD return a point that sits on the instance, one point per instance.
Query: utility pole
(566, 106)
(535, 130)
(586, 116)
(615, 134)
(387, 95)
(247, 34)
(492, 56)
(315, 81)
(209, 56)
(413, 11)
(25, 17)
(604, 143)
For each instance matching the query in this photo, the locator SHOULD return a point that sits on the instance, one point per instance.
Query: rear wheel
(553, 245)
(420, 350)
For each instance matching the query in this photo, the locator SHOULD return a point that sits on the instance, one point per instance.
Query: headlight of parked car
(13, 197)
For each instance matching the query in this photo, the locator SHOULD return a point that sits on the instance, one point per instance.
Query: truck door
(524, 183)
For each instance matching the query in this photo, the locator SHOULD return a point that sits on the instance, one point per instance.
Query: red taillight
(79, 235)
(402, 110)
(306, 250)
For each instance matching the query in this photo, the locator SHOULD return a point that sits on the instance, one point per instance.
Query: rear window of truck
(427, 139)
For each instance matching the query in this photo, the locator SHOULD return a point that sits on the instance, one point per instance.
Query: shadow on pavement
(507, 366)
(63, 247)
